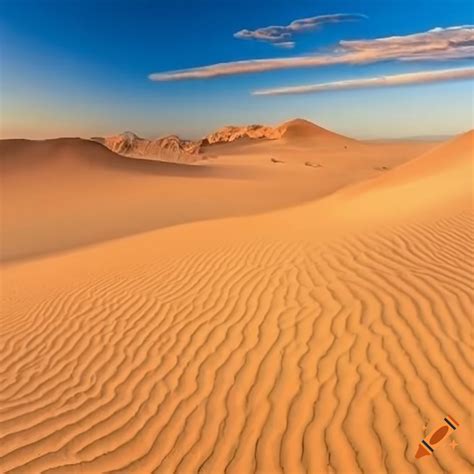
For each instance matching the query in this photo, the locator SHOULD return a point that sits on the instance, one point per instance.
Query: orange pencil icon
(426, 447)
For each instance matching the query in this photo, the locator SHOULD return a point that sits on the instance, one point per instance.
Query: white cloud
(379, 81)
(281, 35)
(456, 42)
(286, 44)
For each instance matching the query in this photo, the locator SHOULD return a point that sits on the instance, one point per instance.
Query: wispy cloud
(379, 81)
(285, 44)
(282, 35)
(456, 42)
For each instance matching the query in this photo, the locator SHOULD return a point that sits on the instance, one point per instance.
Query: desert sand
(240, 314)
(70, 192)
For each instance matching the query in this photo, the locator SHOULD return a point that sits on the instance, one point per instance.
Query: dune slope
(303, 129)
(296, 341)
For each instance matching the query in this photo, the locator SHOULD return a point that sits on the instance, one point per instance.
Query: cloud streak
(452, 43)
(282, 35)
(425, 77)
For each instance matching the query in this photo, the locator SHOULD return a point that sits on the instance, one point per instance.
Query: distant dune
(331, 336)
(303, 129)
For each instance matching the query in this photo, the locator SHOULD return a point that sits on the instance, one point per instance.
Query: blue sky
(81, 67)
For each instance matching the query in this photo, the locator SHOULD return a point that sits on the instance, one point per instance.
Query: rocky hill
(173, 148)
(170, 148)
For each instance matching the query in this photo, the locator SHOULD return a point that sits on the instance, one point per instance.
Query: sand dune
(447, 158)
(441, 178)
(329, 337)
(300, 128)
(66, 192)
(71, 192)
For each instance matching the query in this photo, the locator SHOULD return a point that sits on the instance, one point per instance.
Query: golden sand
(329, 336)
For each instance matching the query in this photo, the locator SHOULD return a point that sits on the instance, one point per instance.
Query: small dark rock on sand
(313, 165)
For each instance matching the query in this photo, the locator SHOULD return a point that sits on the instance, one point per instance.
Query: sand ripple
(267, 357)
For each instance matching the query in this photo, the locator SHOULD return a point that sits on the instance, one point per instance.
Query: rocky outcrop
(231, 133)
(170, 148)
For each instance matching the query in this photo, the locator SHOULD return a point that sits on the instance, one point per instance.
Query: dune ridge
(314, 346)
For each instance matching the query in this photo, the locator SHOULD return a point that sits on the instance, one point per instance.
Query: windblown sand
(329, 336)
